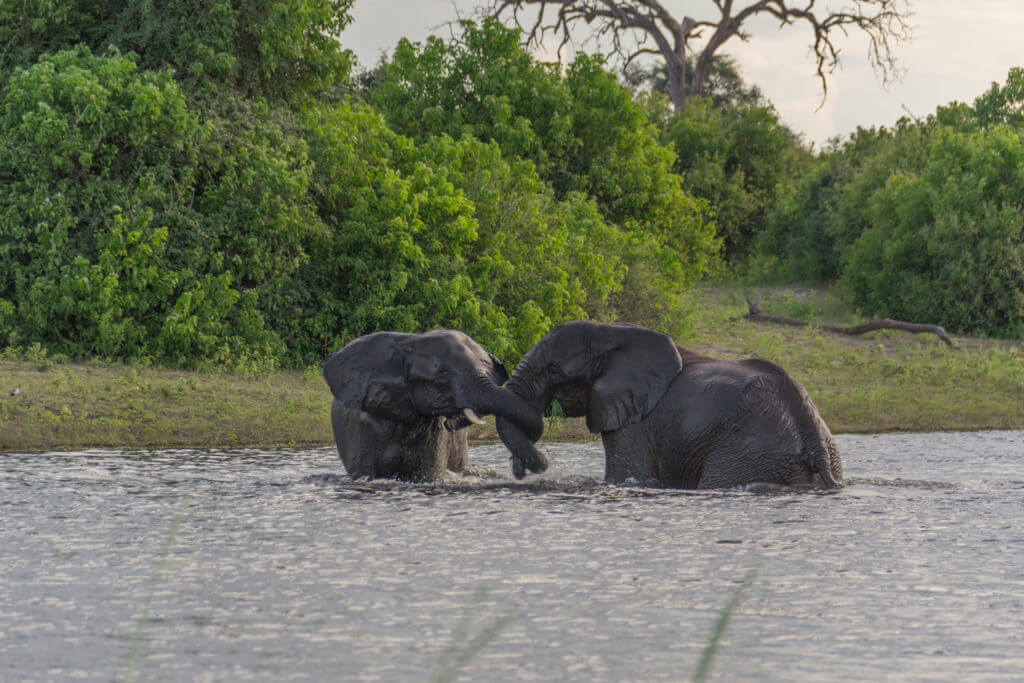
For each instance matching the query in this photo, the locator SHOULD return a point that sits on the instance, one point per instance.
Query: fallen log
(754, 314)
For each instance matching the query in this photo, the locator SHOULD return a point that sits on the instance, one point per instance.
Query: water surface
(267, 565)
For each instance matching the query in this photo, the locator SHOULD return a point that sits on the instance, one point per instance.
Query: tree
(724, 85)
(265, 48)
(655, 31)
(584, 132)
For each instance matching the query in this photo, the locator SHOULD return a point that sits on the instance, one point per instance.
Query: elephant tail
(820, 448)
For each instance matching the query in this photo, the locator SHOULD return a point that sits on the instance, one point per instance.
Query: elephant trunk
(521, 442)
(503, 403)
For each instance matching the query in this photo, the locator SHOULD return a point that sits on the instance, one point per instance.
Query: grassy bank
(884, 381)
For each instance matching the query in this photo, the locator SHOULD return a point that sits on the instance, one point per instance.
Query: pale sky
(959, 48)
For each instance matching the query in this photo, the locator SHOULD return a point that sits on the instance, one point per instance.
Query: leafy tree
(1003, 103)
(741, 160)
(484, 86)
(948, 245)
(273, 48)
(812, 230)
(920, 221)
(723, 85)
(583, 131)
(445, 234)
(127, 228)
(539, 260)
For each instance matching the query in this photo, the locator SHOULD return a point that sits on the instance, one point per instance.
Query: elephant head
(611, 374)
(414, 378)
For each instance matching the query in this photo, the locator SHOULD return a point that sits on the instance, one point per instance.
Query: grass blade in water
(704, 665)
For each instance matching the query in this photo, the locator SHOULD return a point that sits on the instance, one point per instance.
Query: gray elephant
(670, 417)
(402, 403)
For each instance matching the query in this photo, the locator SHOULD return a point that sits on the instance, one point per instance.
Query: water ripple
(261, 565)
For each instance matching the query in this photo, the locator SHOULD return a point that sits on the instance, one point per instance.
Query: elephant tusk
(472, 416)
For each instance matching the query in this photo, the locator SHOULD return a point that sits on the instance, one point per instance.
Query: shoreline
(473, 442)
(884, 382)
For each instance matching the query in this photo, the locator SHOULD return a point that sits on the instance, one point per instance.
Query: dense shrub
(947, 245)
(921, 221)
(445, 234)
(740, 159)
(274, 48)
(810, 232)
(128, 227)
(584, 133)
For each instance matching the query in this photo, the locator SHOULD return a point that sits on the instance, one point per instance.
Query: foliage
(811, 231)
(485, 86)
(540, 260)
(723, 85)
(445, 234)
(920, 222)
(273, 48)
(584, 133)
(740, 159)
(947, 245)
(128, 227)
(1002, 103)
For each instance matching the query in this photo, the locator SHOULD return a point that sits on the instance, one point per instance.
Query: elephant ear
(369, 374)
(500, 373)
(634, 374)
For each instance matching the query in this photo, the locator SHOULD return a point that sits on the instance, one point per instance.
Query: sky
(959, 48)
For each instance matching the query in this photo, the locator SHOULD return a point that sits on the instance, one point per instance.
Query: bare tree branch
(884, 22)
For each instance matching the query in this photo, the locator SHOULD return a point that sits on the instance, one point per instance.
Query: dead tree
(754, 314)
(647, 27)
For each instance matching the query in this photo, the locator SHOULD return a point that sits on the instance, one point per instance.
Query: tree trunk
(677, 85)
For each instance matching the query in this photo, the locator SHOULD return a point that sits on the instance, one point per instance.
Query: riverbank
(885, 381)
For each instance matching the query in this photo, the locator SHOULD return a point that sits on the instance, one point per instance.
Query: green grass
(884, 381)
(62, 406)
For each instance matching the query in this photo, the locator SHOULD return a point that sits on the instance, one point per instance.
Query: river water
(268, 565)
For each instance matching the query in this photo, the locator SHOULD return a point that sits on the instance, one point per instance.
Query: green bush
(98, 160)
(272, 48)
(538, 260)
(130, 228)
(444, 234)
(740, 159)
(584, 133)
(947, 246)
(811, 231)
(921, 221)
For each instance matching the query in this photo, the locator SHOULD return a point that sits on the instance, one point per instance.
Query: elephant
(670, 417)
(402, 403)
